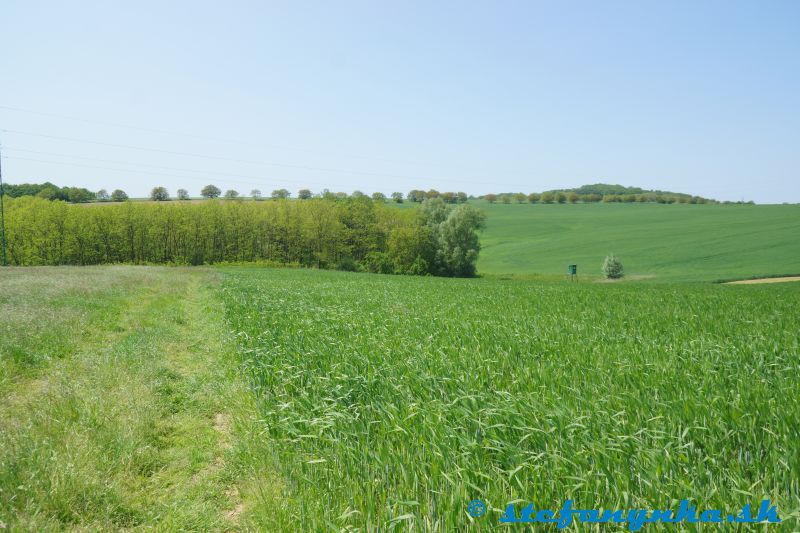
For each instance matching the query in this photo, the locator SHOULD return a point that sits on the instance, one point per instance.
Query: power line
(146, 172)
(212, 157)
(196, 171)
(206, 138)
(254, 162)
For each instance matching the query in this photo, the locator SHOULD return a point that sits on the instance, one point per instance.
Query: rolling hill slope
(688, 242)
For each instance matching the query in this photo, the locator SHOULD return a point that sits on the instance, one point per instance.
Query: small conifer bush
(612, 267)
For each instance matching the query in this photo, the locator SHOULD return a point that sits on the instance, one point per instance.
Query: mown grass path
(120, 401)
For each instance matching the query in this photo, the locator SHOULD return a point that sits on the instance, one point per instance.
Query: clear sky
(698, 97)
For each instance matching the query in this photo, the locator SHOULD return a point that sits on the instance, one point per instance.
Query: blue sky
(699, 97)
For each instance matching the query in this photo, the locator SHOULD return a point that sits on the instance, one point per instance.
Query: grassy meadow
(120, 402)
(676, 242)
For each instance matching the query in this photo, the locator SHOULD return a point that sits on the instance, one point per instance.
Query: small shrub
(612, 267)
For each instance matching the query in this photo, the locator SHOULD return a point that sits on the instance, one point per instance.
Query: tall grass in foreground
(395, 401)
(111, 379)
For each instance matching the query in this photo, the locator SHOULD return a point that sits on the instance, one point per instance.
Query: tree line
(49, 191)
(415, 195)
(346, 234)
(595, 193)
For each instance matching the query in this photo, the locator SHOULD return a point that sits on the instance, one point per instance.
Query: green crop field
(396, 400)
(673, 242)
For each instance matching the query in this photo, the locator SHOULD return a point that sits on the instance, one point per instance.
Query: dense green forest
(345, 234)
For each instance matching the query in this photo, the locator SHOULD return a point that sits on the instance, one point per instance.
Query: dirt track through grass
(764, 280)
(121, 409)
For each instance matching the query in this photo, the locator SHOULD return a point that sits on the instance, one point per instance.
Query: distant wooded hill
(600, 192)
(606, 188)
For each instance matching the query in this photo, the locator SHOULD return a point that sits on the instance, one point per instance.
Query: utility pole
(2, 213)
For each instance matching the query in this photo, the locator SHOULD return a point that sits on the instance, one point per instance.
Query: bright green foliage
(350, 234)
(612, 267)
(411, 250)
(397, 400)
(457, 241)
(677, 242)
(454, 234)
(433, 212)
(111, 383)
(48, 191)
(313, 232)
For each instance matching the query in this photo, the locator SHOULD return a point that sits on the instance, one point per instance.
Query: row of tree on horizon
(585, 194)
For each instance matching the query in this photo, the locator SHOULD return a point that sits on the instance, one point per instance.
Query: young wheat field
(396, 400)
